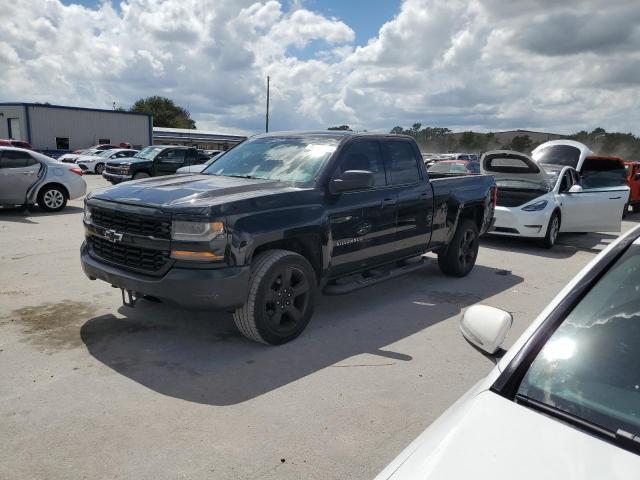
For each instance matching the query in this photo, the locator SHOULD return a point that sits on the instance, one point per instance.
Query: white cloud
(485, 64)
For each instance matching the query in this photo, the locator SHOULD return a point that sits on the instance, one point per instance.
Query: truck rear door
(362, 222)
(407, 175)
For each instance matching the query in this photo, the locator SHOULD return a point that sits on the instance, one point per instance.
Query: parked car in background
(153, 161)
(280, 216)
(472, 157)
(28, 177)
(457, 167)
(542, 200)
(633, 180)
(197, 168)
(95, 163)
(212, 153)
(15, 143)
(99, 146)
(72, 157)
(562, 403)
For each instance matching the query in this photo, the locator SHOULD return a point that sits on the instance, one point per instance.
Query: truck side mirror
(353, 180)
(636, 177)
(485, 327)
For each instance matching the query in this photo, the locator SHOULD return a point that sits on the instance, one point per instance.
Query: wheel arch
(307, 245)
(62, 187)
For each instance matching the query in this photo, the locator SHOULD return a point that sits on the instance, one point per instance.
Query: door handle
(388, 202)
(424, 195)
(615, 198)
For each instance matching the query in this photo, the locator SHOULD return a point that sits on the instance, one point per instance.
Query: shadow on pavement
(566, 246)
(201, 357)
(27, 215)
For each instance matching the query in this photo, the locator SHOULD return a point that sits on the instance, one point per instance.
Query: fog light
(195, 256)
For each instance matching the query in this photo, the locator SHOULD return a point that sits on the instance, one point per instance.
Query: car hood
(511, 165)
(490, 437)
(192, 191)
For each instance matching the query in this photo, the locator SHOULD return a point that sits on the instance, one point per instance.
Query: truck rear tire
(281, 298)
(458, 259)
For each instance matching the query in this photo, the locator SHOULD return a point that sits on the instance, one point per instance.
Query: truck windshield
(149, 153)
(564, 155)
(288, 159)
(589, 366)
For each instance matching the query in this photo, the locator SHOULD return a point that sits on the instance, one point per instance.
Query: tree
(165, 112)
(520, 143)
(341, 127)
(397, 130)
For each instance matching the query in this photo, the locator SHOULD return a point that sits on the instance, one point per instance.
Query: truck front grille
(130, 256)
(125, 222)
(114, 170)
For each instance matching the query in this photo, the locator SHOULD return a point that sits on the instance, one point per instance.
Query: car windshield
(589, 366)
(564, 155)
(288, 159)
(212, 159)
(149, 153)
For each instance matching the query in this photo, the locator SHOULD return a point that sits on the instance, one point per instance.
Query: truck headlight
(535, 207)
(124, 170)
(87, 214)
(196, 231)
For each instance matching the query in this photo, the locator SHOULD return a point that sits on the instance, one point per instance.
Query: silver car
(28, 177)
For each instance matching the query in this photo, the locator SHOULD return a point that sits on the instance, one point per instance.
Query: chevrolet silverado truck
(280, 217)
(153, 161)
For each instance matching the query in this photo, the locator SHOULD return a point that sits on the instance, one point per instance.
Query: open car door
(593, 209)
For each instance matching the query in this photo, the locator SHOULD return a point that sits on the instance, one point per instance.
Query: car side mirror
(575, 189)
(636, 177)
(353, 180)
(485, 327)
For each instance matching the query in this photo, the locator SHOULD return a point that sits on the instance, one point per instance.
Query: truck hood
(191, 191)
(128, 161)
(490, 437)
(511, 165)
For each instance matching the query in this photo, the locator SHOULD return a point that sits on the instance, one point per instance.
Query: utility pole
(267, 120)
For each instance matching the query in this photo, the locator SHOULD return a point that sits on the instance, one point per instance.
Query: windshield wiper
(621, 437)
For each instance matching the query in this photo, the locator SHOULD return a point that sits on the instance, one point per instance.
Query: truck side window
(364, 155)
(402, 162)
(174, 156)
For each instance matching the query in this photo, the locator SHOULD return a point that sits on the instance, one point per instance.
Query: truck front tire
(458, 259)
(281, 297)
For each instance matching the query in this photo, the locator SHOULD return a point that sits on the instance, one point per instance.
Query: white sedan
(562, 403)
(198, 167)
(95, 163)
(28, 177)
(540, 201)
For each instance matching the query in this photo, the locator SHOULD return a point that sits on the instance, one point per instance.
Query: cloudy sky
(372, 64)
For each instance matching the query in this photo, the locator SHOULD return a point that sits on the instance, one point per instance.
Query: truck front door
(362, 222)
(167, 162)
(415, 196)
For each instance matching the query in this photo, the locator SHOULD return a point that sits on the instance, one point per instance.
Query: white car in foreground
(539, 201)
(95, 163)
(562, 403)
(28, 177)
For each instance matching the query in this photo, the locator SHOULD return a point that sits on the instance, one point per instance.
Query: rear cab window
(401, 162)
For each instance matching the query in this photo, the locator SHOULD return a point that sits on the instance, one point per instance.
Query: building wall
(7, 112)
(84, 128)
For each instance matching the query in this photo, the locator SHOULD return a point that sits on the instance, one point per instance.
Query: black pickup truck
(153, 161)
(278, 218)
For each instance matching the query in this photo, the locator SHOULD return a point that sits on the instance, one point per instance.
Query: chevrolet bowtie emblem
(112, 236)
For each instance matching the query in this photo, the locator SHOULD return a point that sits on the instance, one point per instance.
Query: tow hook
(129, 298)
